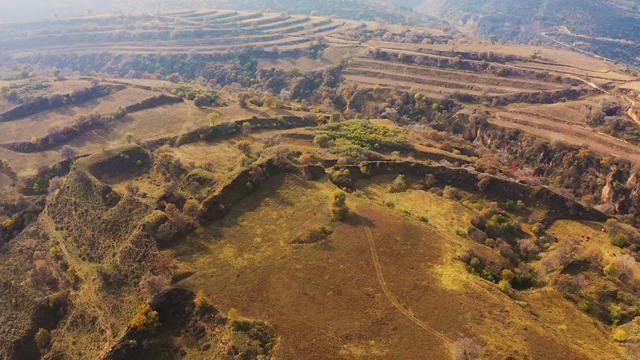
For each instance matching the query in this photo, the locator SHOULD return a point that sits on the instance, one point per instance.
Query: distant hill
(30, 10)
(606, 28)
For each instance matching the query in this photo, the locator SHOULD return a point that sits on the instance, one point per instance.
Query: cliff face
(609, 184)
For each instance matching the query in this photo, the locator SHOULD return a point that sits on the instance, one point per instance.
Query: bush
(339, 209)
(313, 235)
(524, 277)
(342, 178)
(398, 185)
(486, 270)
(537, 229)
(500, 226)
(42, 338)
(151, 285)
(619, 335)
(146, 319)
(452, 193)
(429, 181)
(213, 118)
(514, 205)
(120, 113)
(461, 232)
(322, 140)
(476, 234)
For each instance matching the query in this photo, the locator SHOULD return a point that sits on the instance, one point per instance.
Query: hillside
(252, 184)
(606, 28)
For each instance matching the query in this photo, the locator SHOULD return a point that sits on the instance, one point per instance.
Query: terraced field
(210, 32)
(500, 75)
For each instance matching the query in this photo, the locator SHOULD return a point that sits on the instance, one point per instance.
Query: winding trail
(403, 310)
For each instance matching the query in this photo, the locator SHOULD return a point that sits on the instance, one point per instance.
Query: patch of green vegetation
(201, 96)
(315, 50)
(358, 138)
(364, 133)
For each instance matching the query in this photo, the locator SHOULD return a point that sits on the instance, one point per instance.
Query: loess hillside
(233, 184)
(608, 28)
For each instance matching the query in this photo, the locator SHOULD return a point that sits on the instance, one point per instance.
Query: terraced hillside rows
(492, 77)
(209, 32)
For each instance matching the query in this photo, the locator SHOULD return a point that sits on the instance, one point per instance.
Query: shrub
(514, 205)
(312, 235)
(619, 335)
(505, 287)
(500, 226)
(398, 185)
(523, 278)
(429, 181)
(339, 209)
(272, 102)
(322, 140)
(537, 229)
(42, 338)
(246, 128)
(205, 100)
(461, 232)
(244, 146)
(119, 113)
(201, 305)
(452, 193)
(146, 319)
(528, 248)
(478, 265)
(476, 234)
(342, 178)
(305, 158)
(625, 266)
(151, 285)
(213, 118)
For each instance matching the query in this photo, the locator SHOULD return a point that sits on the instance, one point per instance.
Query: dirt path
(383, 284)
